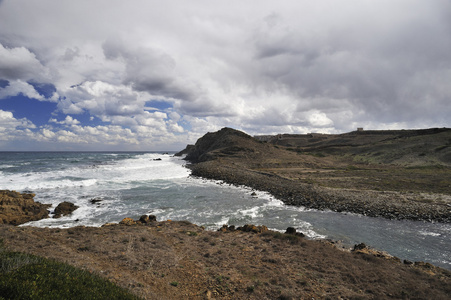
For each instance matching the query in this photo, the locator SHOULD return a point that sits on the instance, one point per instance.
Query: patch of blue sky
(3, 83)
(38, 112)
(158, 105)
(44, 89)
(185, 125)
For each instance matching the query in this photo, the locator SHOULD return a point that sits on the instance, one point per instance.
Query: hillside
(399, 174)
(401, 147)
(180, 260)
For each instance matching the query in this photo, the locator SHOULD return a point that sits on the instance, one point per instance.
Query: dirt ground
(179, 260)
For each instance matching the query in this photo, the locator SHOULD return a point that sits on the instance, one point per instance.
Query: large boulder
(64, 208)
(17, 208)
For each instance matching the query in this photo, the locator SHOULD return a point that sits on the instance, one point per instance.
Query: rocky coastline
(180, 260)
(19, 208)
(236, 158)
(390, 205)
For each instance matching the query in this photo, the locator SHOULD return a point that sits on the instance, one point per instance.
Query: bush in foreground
(24, 276)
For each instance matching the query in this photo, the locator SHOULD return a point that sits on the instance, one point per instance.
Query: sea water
(133, 184)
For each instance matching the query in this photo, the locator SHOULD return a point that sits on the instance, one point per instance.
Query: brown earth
(179, 260)
(373, 174)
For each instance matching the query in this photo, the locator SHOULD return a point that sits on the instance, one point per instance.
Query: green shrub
(24, 276)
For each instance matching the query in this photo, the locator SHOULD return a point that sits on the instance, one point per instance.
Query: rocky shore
(238, 159)
(19, 208)
(391, 205)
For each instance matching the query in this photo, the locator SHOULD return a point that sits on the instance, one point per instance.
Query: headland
(391, 174)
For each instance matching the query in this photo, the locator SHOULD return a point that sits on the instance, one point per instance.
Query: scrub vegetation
(26, 276)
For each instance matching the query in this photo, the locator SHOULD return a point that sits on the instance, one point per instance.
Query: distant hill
(402, 147)
(405, 147)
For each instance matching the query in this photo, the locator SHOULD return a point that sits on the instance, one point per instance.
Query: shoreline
(386, 204)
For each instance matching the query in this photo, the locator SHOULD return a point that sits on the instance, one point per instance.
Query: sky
(144, 75)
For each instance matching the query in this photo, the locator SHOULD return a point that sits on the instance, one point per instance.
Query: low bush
(24, 276)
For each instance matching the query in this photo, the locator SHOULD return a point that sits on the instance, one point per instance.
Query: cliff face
(225, 142)
(17, 208)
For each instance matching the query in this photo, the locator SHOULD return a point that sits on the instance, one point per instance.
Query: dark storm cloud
(146, 69)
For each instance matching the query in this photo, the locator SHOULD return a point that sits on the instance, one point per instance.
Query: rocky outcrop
(224, 142)
(17, 208)
(144, 219)
(245, 228)
(63, 209)
(365, 250)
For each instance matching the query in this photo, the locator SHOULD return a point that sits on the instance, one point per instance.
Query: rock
(226, 228)
(63, 209)
(364, 249)
(146, 219)
(290, 230)
(95, 200)
(424, 265)
(127, 221)
(250, 228)
(19, 208)
(253, 228)
(360, 246)
(109, 224)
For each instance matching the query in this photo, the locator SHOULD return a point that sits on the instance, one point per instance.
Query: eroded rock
(64, 208)
(17, 208)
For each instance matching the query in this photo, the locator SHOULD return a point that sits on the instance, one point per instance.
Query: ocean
(131, 184)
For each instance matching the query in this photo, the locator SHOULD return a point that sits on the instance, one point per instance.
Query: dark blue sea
(133, 184)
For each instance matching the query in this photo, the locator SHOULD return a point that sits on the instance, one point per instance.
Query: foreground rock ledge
(17, 208)
(180, 260)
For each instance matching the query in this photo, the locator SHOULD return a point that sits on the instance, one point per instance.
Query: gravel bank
(391, 205)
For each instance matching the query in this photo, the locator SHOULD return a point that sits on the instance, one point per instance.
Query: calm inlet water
(133, 184)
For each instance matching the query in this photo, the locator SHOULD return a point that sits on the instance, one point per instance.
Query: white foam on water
(253, 212)
(80, 183)
(6, 166)
(427, 233)
(138, 169)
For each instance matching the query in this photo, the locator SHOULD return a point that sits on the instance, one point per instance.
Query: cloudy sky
(156, 75)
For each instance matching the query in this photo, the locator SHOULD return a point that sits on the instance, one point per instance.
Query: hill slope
(337, 172)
